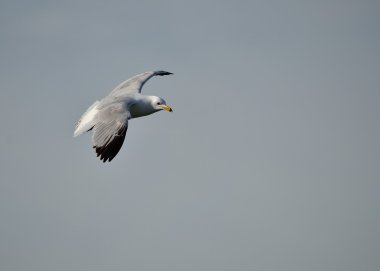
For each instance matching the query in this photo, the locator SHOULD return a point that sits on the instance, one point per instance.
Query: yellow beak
(167, 108)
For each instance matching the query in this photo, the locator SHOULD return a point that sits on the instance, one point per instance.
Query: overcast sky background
(270, 161)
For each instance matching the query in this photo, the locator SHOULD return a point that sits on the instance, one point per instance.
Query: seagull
(108, 118)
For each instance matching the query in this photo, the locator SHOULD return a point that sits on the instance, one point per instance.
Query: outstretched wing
(135, 84)
(109, 130)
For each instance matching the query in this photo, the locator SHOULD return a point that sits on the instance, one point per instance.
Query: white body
(108, 118)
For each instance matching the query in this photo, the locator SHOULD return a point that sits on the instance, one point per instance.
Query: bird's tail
(87, 120)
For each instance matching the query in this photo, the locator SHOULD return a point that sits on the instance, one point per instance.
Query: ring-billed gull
(108, 118)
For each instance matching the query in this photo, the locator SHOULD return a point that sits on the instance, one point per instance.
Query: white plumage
(108, 118)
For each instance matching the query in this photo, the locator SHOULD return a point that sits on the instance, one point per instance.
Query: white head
(159, 104)
(147, 105)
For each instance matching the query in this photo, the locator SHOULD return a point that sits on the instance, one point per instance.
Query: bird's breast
(141, 109)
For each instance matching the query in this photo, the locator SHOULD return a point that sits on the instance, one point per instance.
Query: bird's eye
(158, 103)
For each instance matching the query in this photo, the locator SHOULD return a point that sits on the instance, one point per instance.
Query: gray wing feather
(135, 84)
(110, 130)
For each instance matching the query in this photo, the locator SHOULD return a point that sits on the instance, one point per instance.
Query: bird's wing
(134, 85)
(109, 130)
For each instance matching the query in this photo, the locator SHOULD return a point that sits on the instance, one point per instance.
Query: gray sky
(270, 161)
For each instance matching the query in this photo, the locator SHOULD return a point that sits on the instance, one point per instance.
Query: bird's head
(160, 104)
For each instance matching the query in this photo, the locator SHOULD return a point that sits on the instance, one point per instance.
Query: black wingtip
(109, 151)
(161, 73)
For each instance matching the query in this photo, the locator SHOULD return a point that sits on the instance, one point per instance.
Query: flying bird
(108, 118)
